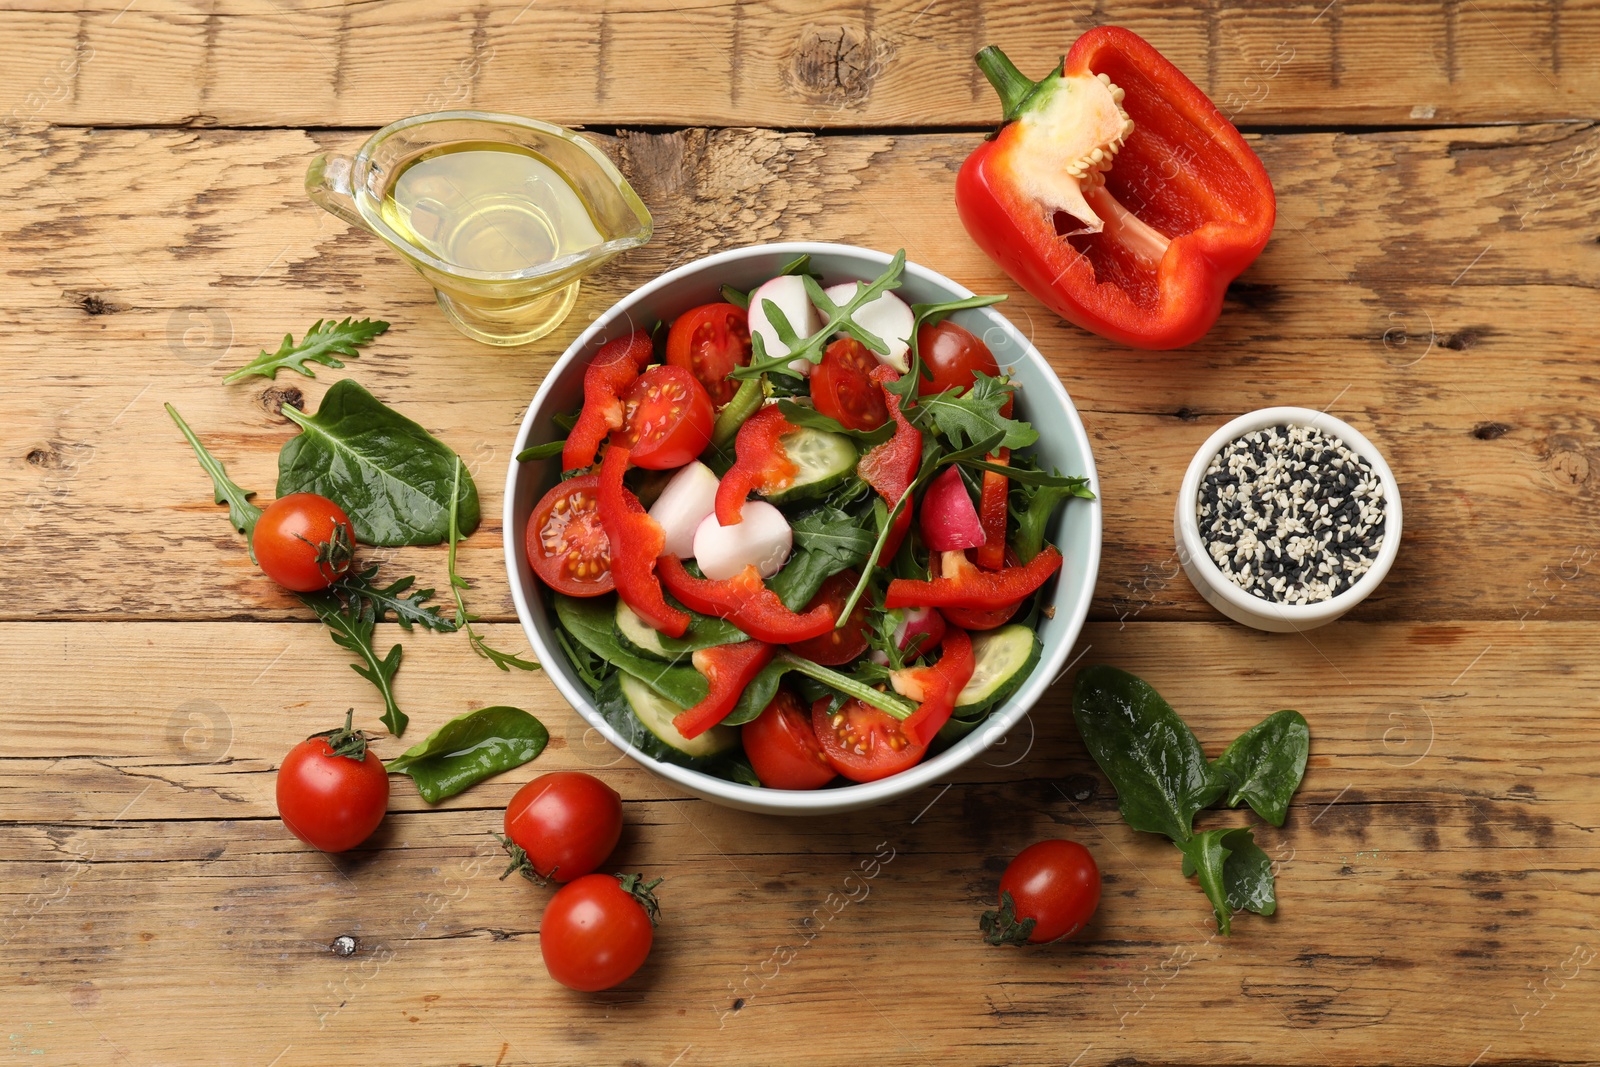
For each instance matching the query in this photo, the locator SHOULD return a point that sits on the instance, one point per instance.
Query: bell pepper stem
(1016, 89)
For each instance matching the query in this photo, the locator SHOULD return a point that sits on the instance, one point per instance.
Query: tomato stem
(642, 891)
(521, 864)
(345, 741)
(1002, 927)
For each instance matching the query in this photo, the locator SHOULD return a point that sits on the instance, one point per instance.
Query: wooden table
(1432, 280)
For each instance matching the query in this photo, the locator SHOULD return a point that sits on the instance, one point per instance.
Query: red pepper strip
(1117, 125)
(760, 463)
(636, 540)
(992, 513)
(727, 669)
(936, 687)
(744, 601)
(891, 467)
(612, 370)
(964, 586)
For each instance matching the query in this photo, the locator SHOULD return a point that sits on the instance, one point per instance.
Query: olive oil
(488, 206)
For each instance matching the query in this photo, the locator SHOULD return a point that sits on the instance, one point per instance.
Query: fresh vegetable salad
(798, 534)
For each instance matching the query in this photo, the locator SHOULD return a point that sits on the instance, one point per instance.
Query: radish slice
(923, 625)
(788, 293)
(689, 497)
(949, 521)
(887, 317)
(762, 537)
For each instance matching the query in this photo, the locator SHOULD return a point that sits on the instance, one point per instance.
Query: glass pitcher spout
(503, 215)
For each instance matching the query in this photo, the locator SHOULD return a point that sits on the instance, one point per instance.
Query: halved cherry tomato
(607, 377)
(667, 419)
(710, 341)
(567, 546)
(842, 389)
(978, 619)
(783, 749)
(845, 643)
(861, 742)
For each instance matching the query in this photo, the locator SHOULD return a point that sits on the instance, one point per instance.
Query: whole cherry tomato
(1047, 893)
(783, 748)
(331, 790)
(562, 825)
(304, 542)
(597, 930)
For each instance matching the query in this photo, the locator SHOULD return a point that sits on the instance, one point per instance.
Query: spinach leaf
(470, 748)
(803, 414)
(1153, 760)
(390, 475)
(757, 695)
(1234, 872)
(734, 767)
(594, 627)
(1264, 766)
(705, 631)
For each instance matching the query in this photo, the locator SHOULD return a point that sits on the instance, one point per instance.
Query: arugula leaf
(470, 748)
(241, 512)
(408, 610)
(1234, 872)
(1263, 767)
(835, 533)
(545, 451)
(736, 297)
(592, 669)
(975, 415)
(464, 619)
(1151, 756)
(351, 624)
(323, 344)
(895, 705)
(388, 473)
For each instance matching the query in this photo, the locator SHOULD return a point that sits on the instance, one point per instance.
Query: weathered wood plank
(1447, 332)
(1438, 865)
(712, 62)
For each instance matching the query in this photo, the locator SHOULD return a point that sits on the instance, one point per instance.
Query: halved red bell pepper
(936, 687)
(891, 467)
(745, 601)
(727, 670)
(760, 463)
(1116, 192)
(610, 372)
(961, 585)
(636, 540)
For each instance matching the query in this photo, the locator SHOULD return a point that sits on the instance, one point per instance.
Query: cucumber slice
(824, 459)
(705, 631)
(1001, 659)
(655, 713)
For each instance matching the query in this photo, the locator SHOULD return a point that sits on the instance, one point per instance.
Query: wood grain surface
(1431, 280)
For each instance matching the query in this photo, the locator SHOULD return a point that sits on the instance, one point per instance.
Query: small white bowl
(1063, 444)
(1242, 606)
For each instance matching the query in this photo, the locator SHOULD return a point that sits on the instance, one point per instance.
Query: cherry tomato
(709, 341)
(1054, 883)
(845, 643)
(328, 799)
(303, 542)
(782, 747)
(667, 419)
(567, 546)
(980, 618)
(952, 354)
(597, 930)
(566, 823)
(842, 390)
(862, 742)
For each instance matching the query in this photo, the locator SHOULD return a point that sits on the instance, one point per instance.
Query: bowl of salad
(802, 527)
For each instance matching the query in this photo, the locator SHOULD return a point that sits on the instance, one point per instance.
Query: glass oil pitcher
(501, 214)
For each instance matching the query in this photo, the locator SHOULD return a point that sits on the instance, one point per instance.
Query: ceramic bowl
(1236, 603)
(1063, 445)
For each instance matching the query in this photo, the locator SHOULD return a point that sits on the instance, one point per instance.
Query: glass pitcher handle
(328, 185)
